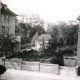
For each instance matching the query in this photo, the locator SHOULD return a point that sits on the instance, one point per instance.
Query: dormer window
(5, 6)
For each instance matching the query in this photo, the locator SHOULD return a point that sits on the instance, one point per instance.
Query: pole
(39, 66)
(21, 65)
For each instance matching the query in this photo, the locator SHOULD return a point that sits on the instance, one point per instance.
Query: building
(34, 39)
(69, 60)
(0, 16)
(7, 20)
(42, 41)
(78, 45)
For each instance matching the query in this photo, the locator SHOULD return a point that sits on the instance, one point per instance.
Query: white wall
(38, 46)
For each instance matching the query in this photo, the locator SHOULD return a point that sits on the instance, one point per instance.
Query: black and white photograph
(39, 39)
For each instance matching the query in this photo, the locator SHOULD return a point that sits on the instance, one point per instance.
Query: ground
(12, 74)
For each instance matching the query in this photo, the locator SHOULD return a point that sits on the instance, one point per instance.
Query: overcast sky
(49, 10)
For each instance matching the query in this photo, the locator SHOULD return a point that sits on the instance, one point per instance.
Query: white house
(41, 41)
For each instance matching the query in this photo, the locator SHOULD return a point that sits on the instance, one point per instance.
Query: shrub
(2, 69)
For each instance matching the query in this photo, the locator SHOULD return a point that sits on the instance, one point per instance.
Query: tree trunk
(6, 54)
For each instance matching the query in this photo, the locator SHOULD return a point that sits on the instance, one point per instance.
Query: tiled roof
(45, 37)
(7, 10)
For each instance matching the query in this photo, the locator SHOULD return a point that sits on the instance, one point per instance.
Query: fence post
(39, 66)
(21, 65)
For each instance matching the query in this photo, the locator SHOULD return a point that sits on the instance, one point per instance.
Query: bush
(29, 55)
(2, 69)
(57, 60)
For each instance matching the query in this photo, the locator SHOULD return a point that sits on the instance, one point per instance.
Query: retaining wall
(30, 66)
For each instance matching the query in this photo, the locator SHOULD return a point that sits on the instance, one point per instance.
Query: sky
(49, 10)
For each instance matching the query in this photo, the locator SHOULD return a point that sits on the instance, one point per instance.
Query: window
(72, 58)
(7, 18)
(2, 18)
(66, 58)
(3, 29)
(7, 30)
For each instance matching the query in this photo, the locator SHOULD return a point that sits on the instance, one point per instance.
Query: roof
(35, 37)
(7, 10)
(78, 18)
(69, 55)
(45, 37)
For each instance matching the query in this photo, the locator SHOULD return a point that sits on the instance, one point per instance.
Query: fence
(30, 66)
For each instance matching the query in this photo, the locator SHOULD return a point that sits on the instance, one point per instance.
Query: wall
(38, 46)
(31, 66)
(10, 24)
(49, 68)
(0, 16)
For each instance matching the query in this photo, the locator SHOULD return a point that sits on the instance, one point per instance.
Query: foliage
(69, 33)
(52, 47)
(28, 26)
(57, 60)
(7, 45)
(58, 56)
(31, 55)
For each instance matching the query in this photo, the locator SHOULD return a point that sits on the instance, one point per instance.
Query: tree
(8, 45)
(35, 20)
(69, 33)
(52, 47)
(54, 32)
(28, 26)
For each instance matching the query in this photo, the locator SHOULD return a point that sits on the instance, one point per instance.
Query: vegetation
(8, 45)
(28, 27)
(2, 69)
(64, 41)
(64, 38)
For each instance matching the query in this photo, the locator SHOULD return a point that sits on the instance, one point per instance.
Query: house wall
(39, 44)
(78, 48)
(10, 23)
(0, 16)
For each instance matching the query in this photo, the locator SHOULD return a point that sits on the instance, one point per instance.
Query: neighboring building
(34, 38)
(7, 21)
(69, 60)
(78, 45)
(0, 16)
(42, 41)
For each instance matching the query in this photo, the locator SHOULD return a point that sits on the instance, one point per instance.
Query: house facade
(42, 41)
(7, 22)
